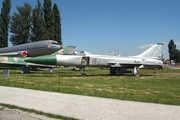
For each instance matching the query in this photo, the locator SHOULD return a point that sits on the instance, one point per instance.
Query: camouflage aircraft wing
(25, 64)
(19, 61)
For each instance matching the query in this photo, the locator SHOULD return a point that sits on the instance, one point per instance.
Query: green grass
(160, 88)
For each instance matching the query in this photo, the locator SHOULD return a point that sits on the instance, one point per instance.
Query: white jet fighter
(151, 58)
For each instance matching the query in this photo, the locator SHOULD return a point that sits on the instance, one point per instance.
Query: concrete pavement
(14, 114)
(87, 108)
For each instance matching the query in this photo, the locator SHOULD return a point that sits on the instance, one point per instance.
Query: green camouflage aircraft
(26, 66)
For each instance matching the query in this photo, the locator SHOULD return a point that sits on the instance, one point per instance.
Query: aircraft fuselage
(33, 49)
(95, 61)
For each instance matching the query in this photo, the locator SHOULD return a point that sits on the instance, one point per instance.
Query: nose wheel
(81, 72)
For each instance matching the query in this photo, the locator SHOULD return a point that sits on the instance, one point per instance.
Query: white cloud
(177, 43)
(145, 46)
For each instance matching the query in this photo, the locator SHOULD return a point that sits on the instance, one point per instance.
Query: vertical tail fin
(152, 52)
(69, 49)
(65, 50)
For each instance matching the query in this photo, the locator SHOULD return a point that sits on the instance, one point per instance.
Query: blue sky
(105, 26)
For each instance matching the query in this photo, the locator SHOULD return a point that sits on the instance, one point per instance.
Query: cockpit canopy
(79, 52)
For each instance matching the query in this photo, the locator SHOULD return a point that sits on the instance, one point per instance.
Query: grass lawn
(163, 88)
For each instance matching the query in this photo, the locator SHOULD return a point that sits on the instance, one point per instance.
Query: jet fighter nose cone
(46, 60)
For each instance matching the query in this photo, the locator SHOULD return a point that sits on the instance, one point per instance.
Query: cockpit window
(78, 52)
(81, 52)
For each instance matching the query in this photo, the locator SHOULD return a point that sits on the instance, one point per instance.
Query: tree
(171, 49)
(20, 25)
(177, 55)
(38, 29)
(49, 18)
(4, 22)
(57, 25)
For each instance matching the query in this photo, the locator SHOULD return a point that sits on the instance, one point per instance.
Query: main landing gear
(114, 70)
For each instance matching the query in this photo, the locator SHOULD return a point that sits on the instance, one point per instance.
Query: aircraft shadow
(117, 75)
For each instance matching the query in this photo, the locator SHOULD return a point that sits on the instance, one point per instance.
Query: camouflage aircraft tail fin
(65, 50)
